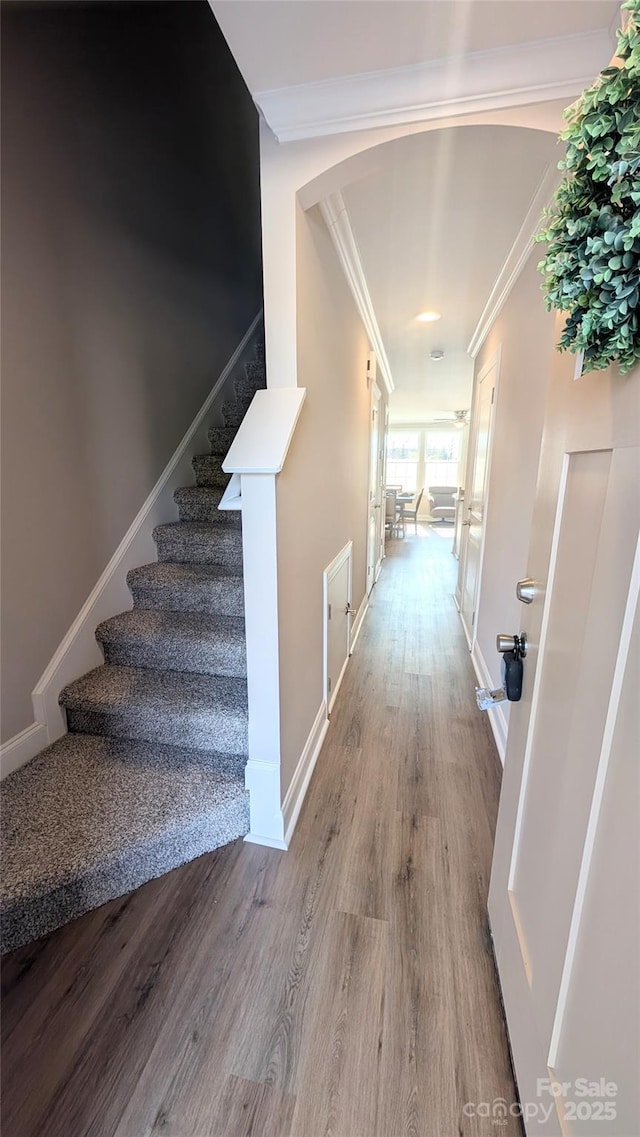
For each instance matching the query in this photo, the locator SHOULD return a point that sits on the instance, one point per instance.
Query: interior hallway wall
(131, 270)
(322, 492)
(525, 332)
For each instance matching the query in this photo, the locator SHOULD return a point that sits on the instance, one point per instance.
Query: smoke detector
(437, 354)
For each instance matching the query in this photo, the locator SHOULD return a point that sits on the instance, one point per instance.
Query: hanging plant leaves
(591, 267)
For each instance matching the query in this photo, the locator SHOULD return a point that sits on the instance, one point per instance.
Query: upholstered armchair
(442, 504)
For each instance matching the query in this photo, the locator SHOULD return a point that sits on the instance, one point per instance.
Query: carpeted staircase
(151, 773)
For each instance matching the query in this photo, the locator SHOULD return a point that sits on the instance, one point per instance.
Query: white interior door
(337, 621)
(564, 900)
(476, 495)
(376, 476)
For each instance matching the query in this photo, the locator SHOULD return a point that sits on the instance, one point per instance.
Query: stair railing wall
(256, 457)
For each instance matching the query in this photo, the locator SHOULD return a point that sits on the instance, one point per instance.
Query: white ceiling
(433, 227)
(282, 43)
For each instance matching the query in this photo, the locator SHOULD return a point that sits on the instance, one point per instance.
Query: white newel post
(255, 459)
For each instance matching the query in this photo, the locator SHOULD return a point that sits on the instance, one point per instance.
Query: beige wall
(322, 490)
(525, 331)
(131, 270)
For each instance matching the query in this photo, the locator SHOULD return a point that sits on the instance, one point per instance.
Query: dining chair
(392, 514)
(412, 514)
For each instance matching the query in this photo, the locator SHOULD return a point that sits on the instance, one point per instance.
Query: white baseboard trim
(497, 717)
(79, 652)
(20, 749)
(296, 793)
(268, 842)
(358, 622)
(262, 779)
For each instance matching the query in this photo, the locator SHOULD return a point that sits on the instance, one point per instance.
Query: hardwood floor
(343, 989)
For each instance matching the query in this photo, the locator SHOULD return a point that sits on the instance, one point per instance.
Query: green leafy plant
(592, 264)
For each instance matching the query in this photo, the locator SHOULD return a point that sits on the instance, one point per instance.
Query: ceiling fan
(460, 418)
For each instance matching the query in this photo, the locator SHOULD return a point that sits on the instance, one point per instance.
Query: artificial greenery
(592, 263)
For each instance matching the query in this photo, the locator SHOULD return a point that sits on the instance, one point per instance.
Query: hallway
(345, 988)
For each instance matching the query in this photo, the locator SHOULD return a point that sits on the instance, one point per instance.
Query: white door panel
(571, 991)
(603, 933)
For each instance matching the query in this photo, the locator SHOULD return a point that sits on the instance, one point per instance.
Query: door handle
(512, 643)
(526, 590)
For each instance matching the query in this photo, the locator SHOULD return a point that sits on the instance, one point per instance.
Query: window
(442, 457)
(403, 455)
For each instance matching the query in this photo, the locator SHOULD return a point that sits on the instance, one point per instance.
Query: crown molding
(557, 68)
(337, 221)
(516, 258)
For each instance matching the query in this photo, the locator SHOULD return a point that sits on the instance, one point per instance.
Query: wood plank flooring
(343, 989)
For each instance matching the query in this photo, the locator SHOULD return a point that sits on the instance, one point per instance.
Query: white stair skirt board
(497, 717)
(22, 748)
(79, 651)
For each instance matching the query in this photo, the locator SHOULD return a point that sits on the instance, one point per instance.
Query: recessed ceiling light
(428, 317)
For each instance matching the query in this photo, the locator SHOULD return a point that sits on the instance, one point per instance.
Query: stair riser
(223, 548)
(214, 658)
(246, 388)
(256, 372)
(37, 916)
(225, 599)
(233, 415)
(236, 408)
(209, 472)
(220, 438)
(193, 510)
(200, 731)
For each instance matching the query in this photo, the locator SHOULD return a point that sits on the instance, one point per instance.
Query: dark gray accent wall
(131, 269)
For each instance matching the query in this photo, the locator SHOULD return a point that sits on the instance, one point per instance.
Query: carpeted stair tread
(174, 707)
(177, 641)
(208, 470)
(220, 439)
(91, 818)
(198, 542)
(187, 588)
(201, 503)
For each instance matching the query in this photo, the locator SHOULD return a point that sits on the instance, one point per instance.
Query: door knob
(526, 590)
(518, 644)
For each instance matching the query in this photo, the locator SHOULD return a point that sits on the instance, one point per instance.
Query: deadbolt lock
(526, 590)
